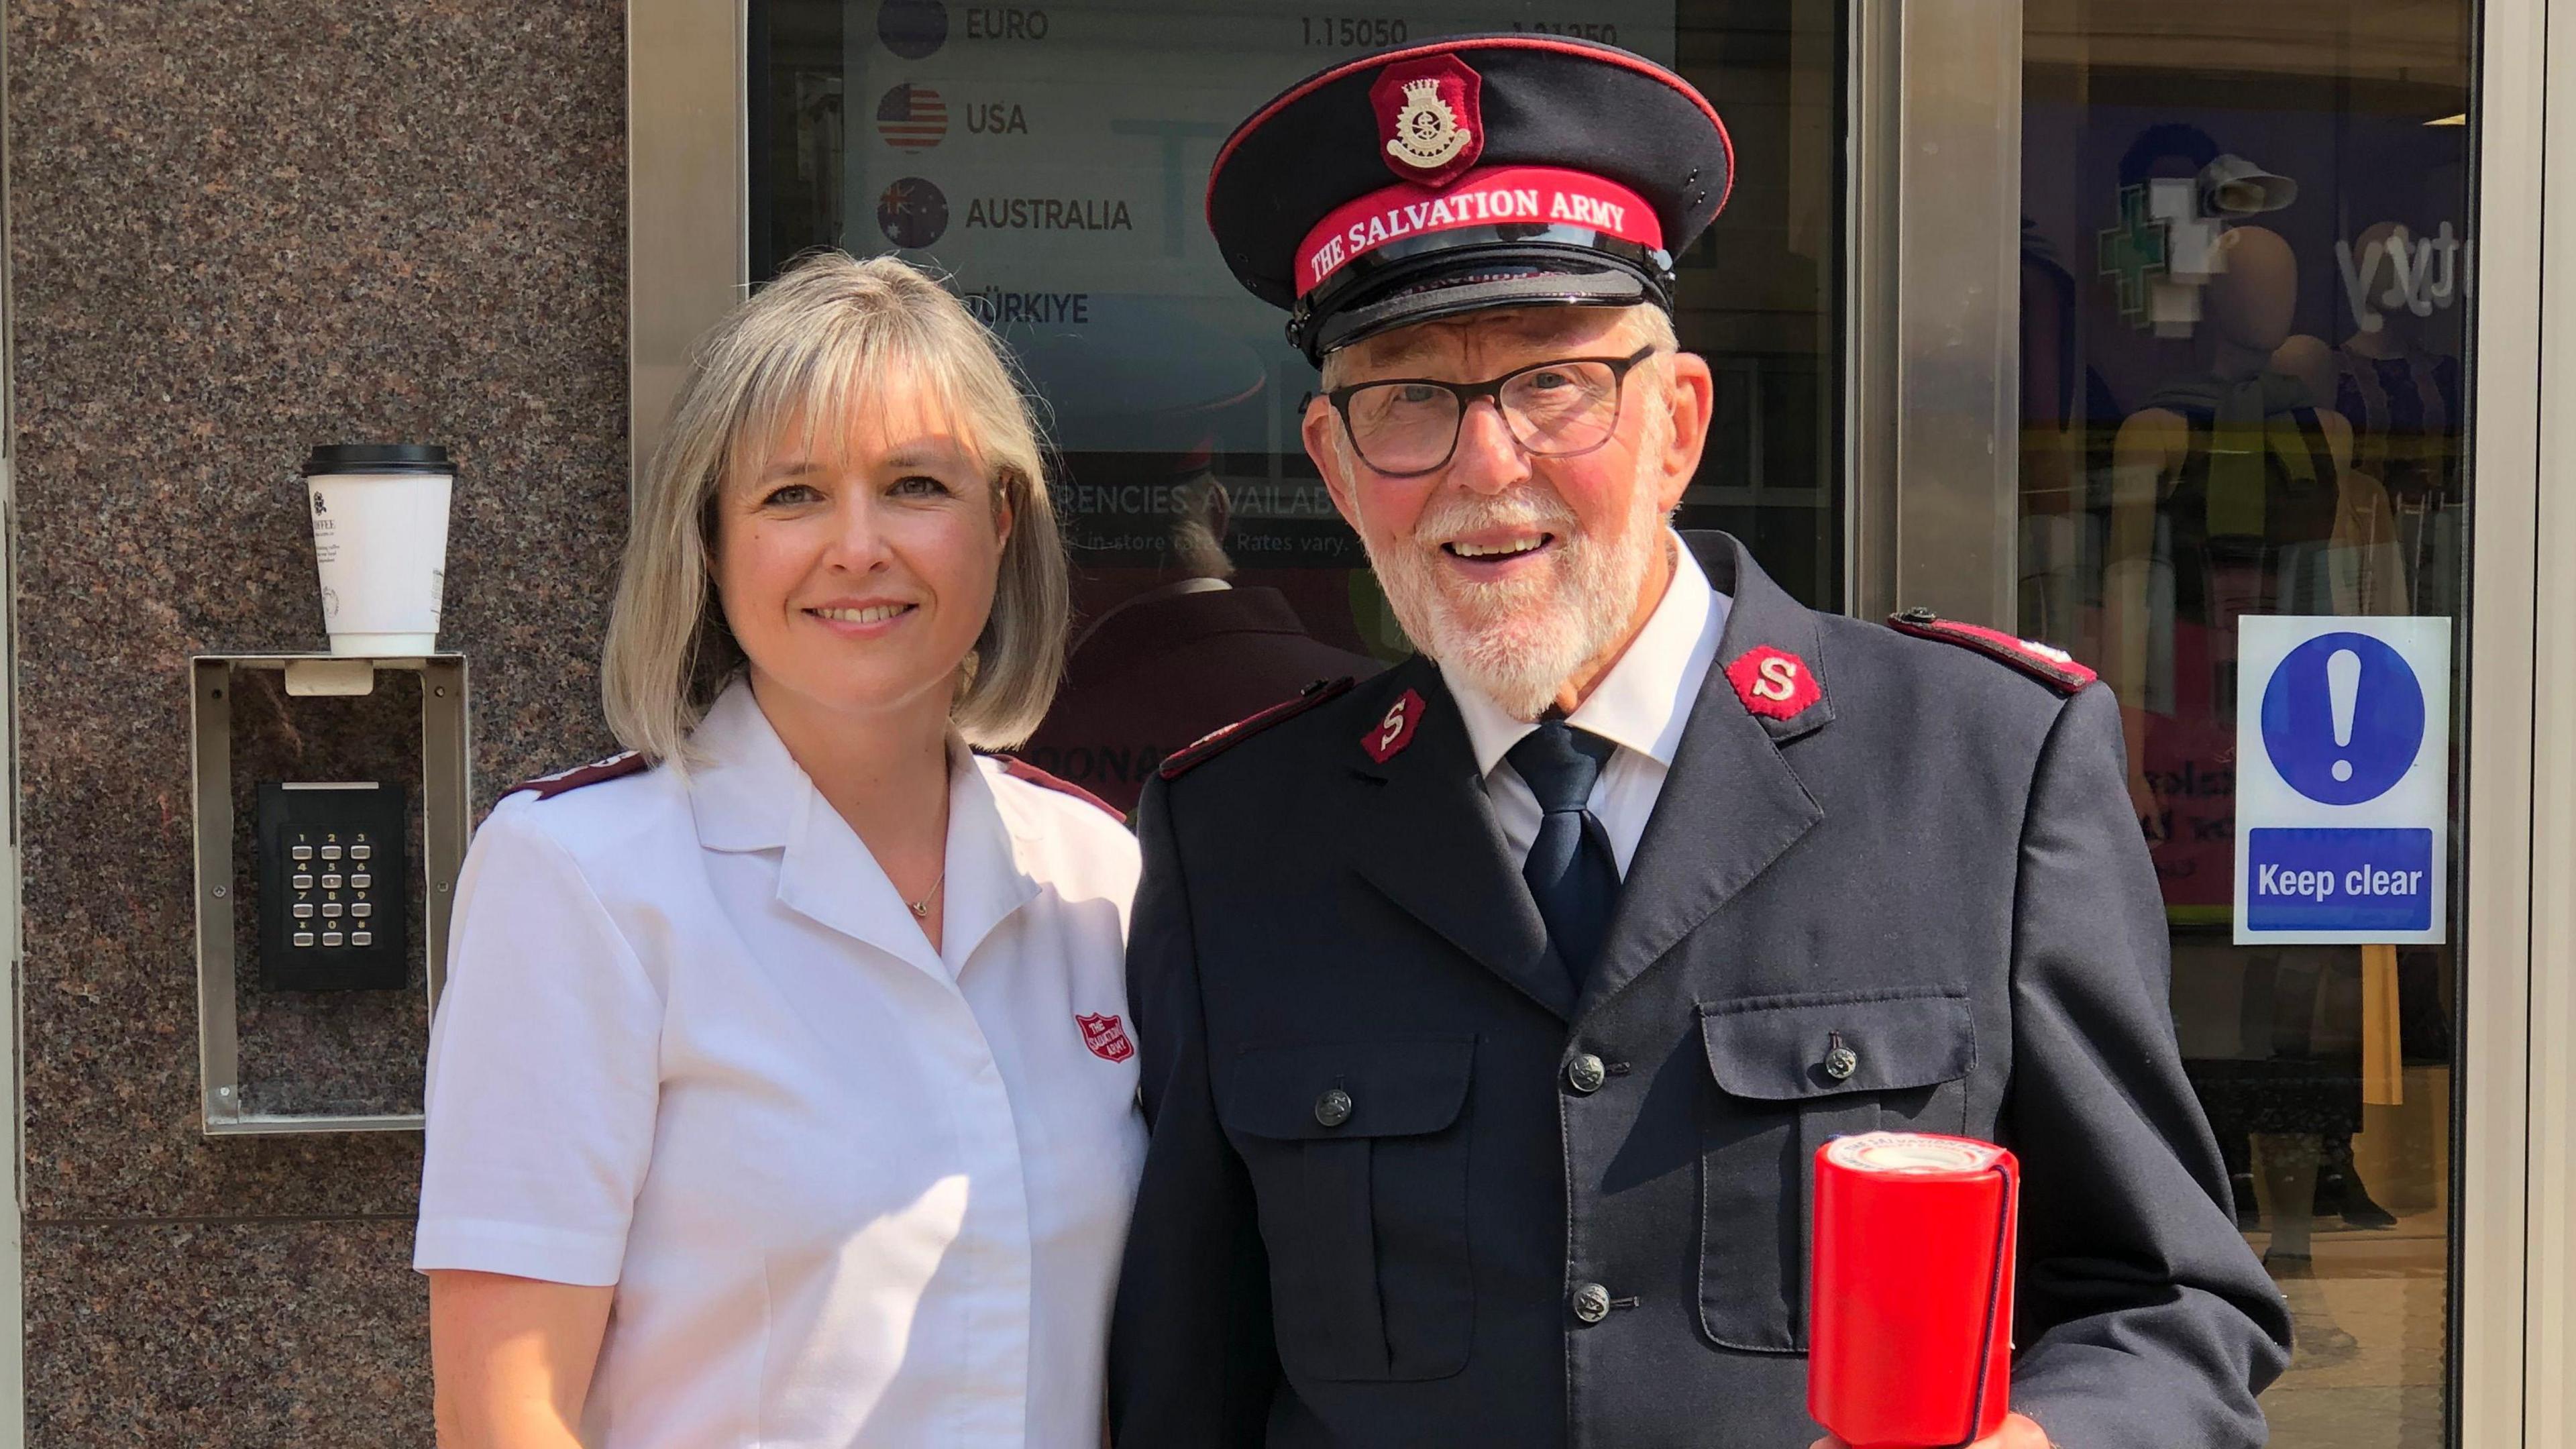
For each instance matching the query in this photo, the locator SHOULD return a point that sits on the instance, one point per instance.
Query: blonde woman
(781, 1093)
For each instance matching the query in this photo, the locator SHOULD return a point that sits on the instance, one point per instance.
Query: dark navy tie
(1570, 870)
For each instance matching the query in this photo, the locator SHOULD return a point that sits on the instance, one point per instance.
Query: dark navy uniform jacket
(1935, 864)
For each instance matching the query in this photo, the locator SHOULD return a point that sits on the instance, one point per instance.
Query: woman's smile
(873, 619)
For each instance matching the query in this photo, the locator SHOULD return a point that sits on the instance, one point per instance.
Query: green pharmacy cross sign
(2138, 248)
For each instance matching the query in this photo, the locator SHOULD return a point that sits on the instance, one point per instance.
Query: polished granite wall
(238, 229)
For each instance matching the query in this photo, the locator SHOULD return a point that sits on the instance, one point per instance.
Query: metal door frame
(2519, 1340)
(1930, 328)
(688, 194)
(2508, 1272)
(1935, 222)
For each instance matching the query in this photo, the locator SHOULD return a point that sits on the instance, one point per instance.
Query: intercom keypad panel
(331, 885)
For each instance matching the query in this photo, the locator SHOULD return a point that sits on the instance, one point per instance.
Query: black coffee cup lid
(377, 458)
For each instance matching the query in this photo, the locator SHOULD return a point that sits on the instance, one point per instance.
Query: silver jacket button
(1841, 1062)
(1591, 1302)
(1333, 1108)
(1585, 1074)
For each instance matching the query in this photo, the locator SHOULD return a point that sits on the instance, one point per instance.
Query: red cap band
(1499, 196)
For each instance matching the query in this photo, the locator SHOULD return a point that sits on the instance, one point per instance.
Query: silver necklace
(921, 908)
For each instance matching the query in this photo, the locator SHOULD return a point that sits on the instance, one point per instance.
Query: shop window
(2244, 253)
(1052, 159)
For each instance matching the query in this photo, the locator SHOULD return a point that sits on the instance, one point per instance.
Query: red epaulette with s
(2049, 665)
(547, 787)
(1019, 769)
(1217, 742)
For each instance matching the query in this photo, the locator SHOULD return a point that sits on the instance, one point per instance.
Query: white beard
(1519, 641)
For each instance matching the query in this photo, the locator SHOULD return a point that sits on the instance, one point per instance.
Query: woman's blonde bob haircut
(811, 347)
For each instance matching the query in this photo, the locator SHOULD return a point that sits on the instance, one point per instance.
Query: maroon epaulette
(547, 787)
(1019, 769)
(1217, 742)
(2045, 663)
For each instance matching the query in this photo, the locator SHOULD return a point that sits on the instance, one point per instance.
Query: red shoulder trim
(547, 787)
(2049, 665)
(1217, 742)
(1019, 769)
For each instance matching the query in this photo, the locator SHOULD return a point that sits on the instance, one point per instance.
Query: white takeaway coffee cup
(380, 538)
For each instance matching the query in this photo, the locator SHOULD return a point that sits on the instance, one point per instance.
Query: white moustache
(1456, 514)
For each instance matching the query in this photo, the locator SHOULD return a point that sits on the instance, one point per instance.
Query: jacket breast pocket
(1358, 1162)
(1790, 1073)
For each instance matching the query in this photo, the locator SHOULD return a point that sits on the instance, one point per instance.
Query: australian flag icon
(912, 212)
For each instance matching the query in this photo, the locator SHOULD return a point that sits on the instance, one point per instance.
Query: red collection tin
(1909, 1306)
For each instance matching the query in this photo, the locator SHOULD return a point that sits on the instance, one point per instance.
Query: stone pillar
(239, 228)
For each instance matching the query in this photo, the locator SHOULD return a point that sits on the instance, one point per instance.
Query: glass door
(2244, 243)
(1053, 159)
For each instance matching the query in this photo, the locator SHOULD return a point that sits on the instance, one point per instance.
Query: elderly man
(1493, 1010)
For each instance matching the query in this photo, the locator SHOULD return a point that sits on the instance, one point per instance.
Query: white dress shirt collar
(750, 794)
(1645, 700)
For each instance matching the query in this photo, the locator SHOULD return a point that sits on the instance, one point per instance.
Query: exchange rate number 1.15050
(1353, 31)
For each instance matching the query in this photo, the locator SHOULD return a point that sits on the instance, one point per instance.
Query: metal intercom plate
(305, 812)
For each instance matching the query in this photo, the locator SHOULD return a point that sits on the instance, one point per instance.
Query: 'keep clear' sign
(2342, 782)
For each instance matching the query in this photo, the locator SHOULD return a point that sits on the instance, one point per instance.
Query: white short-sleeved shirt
(851, 1190)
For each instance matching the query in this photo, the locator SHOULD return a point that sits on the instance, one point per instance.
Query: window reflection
(1055, 166)
(2243, 369)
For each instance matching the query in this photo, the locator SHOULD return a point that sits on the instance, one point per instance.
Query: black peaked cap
(1545, 100)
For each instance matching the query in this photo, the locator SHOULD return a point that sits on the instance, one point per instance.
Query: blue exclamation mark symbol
(2343, 690)
(2343, 718)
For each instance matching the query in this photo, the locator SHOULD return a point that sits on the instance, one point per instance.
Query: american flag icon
(912, 117)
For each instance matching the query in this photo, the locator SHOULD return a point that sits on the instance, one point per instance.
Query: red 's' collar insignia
(1106, 1038)
(1774, 682)
(1019, 769)
(547, 787)
(1217, 742)
(1430, 118)
(1387, 738)
(2049, 665)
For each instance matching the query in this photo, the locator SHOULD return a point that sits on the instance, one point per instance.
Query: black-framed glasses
(1404, 427)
